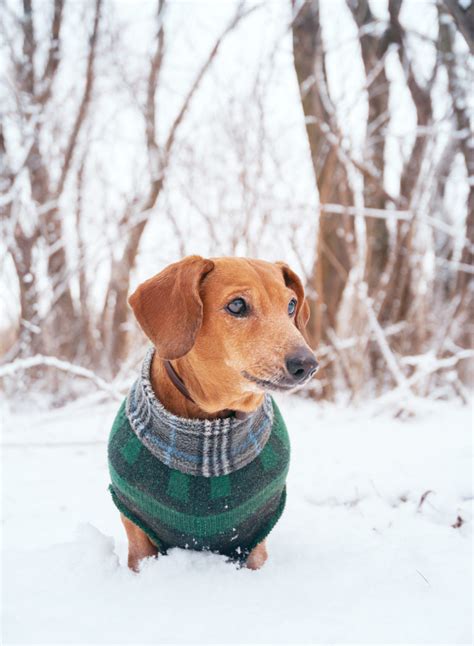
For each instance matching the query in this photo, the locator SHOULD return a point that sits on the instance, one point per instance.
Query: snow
(354, 558)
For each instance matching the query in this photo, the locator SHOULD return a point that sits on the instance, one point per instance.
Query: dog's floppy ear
(293, 281)
(168, 306)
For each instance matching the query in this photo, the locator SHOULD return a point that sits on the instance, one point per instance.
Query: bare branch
(27, 78)
(153, 78)
(84, 104)
(240, 14)
(52, 62)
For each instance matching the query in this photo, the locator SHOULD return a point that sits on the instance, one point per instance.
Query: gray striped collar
(194, 446)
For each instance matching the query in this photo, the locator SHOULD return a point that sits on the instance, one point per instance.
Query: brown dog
(232, 329)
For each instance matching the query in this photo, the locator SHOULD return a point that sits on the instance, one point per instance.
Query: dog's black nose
(301, 365)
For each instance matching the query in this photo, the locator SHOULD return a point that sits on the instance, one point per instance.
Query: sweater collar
(194, 446)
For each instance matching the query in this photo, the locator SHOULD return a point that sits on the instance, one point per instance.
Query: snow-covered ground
(355, 557)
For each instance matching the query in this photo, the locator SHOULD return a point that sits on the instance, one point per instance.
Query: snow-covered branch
(390, 214)
(9, 369)
(385, 349)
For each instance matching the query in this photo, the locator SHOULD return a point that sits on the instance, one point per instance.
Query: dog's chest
(228, 513)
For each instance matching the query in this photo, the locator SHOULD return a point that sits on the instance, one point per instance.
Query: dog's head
(243, 320)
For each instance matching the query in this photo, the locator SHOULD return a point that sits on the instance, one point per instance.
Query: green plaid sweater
(228, 514)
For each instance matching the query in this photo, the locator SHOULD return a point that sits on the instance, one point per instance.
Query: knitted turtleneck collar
(194, 446)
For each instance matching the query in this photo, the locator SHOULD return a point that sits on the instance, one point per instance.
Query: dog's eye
(292, 306)
(237, 307)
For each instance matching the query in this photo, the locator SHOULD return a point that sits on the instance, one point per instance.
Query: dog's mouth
(278, 382)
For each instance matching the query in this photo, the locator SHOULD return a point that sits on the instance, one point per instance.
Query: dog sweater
(229, 514)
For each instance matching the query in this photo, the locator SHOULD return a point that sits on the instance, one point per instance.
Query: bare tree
(62, 321)
(462, 289)
(134, 218)
(393, 271)
(33, 89)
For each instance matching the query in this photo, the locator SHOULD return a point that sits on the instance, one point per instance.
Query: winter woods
(333, 135)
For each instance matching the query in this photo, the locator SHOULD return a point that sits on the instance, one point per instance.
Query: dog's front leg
(139, 545)
(257, 557)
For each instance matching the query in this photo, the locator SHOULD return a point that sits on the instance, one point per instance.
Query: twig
(423, 577)
(423, 498)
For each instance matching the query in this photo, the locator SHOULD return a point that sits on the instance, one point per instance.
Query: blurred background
(334, 135)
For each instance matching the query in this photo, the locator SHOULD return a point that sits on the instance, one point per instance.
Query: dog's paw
(257, 557)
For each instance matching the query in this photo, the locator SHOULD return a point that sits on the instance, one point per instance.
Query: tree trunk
(332, 254)
(373, 49)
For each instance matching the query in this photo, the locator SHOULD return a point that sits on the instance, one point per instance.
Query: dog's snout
(301, 365)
